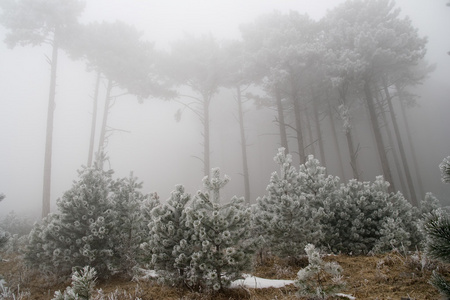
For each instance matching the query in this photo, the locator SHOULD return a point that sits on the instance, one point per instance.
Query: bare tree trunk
(411, 145)
(336, 142)
(353, 154)
(393, 149)
(378, 138)
(206, 137)
(310, 133)
(102, 142)
(400, 146)
(243, 145)
(298, 129)
(281, 121)
(94, 120)
(298, 119)
(49, 133)
(319, 131)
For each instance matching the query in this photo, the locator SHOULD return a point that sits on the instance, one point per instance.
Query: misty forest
(191, 162)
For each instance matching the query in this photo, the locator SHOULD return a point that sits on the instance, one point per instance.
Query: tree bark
(298, 120)
(319, 131)
(378, 138)
(400, 146)
(411, 145)
(281, 121)
(243, 145)
(394, 150)
(336, 142)
(206, 137)
(310, 133)
(94, 120)
(102, 141)
(49, 132)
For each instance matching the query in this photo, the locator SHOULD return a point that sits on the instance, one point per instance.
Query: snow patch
(259, 283)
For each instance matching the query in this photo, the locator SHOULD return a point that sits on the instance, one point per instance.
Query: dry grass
(388, 276)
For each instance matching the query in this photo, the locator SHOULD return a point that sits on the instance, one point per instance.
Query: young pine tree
(437, 229)
(95, 226)
(222, 244)
(365, 217)
(131, 223)
(169, 245)
(288, 217)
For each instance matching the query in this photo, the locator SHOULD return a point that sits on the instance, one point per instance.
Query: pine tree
(169, 244)
(288, 217)
(83, 282)
(365, 217)
(319, 279)
(97, 225)
(131, 223)
(201, 243)
(437, 229)
(445, 170)
(4, 236)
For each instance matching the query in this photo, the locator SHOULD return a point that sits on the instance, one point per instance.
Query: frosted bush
(7, 293)
(98, 223)
(365, 217)
(307, 206)
(445, 170)
(83, 282)
(288, 217)
(222, 245)
(319, 279)
(169, 246)
(202, 244)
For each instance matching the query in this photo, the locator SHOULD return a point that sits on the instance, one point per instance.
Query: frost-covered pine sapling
(222, 245)
(319, 279)
(169, 243)
(365, 217)
(83, 282)
(130, 228)
(285, 216)
(445, 170)
(80, 233)
(437, 229)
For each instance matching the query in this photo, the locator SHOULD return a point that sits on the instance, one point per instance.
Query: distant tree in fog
(117, 51)
(280, 44)
(197, 63)
(37, 22)
(236, 79)
(380, 42)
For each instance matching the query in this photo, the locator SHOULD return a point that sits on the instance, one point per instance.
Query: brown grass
(379, 277)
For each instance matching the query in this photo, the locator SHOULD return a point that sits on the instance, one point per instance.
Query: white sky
(24, 80)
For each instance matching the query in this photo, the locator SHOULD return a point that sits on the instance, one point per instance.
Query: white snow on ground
(259, 283)
(249, 281)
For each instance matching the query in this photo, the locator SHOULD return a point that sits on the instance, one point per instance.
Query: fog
(148, 140)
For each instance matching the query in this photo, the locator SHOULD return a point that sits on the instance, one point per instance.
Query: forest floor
(389, 276)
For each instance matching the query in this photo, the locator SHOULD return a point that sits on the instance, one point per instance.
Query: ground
(389, 276)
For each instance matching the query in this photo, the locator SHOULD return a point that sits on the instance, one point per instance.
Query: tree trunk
(400, 146)
(411, 145)
(206, 146)
(310, 133)
(298, 120)
(94, 120)
(393, 149)
(378, 138)
(336, 142)
(49, 133)
(281, 121)
(243, 145)
(102, 141)
(319, 131)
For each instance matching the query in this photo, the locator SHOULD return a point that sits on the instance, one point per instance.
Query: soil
(392, 276)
